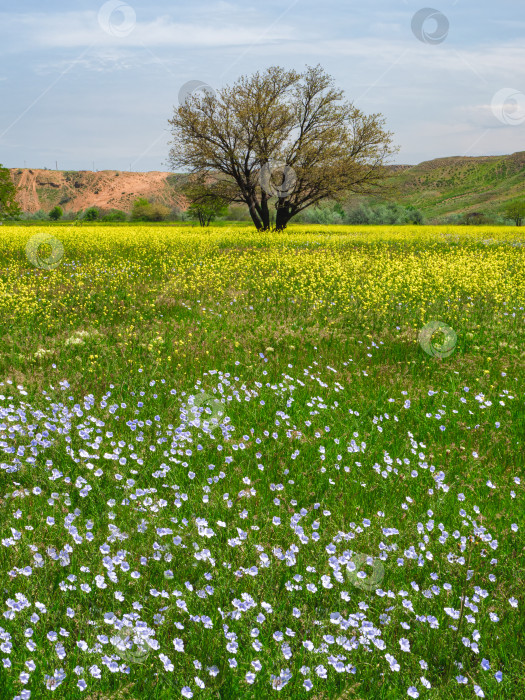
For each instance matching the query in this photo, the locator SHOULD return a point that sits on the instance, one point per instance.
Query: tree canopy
(56, 213)
(516, 211)
(8, 205)
(91, 214)
(281, 136)
(206, 199)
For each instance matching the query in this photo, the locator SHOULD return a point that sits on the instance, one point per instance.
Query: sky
(89, 85)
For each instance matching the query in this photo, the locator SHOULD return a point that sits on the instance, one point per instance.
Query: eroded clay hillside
(107, 189)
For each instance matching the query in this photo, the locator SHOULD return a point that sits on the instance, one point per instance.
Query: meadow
(237, 464)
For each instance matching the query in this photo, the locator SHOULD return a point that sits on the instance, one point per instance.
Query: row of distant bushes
(391, 213)
(364, 213)
(143, 210)
(479, 219)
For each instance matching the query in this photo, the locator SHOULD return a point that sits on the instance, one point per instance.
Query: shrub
(323, 213)
(91, 214)
(143, 210)
(56, 213)
(115, 215)
(39, 215)
(475, 218)
(158, 212)
(383, 214)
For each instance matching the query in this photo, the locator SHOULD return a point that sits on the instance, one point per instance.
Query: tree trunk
(282, 218)
(255, 216)
(265, 213)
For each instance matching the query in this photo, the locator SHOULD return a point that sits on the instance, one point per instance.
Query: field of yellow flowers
(236, 464)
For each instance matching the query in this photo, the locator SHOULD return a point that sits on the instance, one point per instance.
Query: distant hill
(107, 189)
(462, 185)
(439, 188)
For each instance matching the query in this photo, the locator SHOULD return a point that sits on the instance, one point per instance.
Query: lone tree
(516, 212)
(281, 136)
(207, 200)
(8, 205)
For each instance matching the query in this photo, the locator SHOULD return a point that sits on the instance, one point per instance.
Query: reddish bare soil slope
(107, 189)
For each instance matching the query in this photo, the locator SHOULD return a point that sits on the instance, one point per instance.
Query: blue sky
(85, 82)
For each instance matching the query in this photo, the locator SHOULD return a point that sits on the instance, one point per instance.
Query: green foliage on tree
(143, 210)
(516, 212)
(207, 200)
(91, 214)
(9, 208)
(282, 137)
(56, 213)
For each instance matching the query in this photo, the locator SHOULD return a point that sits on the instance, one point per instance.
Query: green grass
(460, 185)
(338, 420)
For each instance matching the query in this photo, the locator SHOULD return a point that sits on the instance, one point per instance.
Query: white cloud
(82, 29)
(501, 61)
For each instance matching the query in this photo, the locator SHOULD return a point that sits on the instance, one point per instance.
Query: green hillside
(462, 185)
